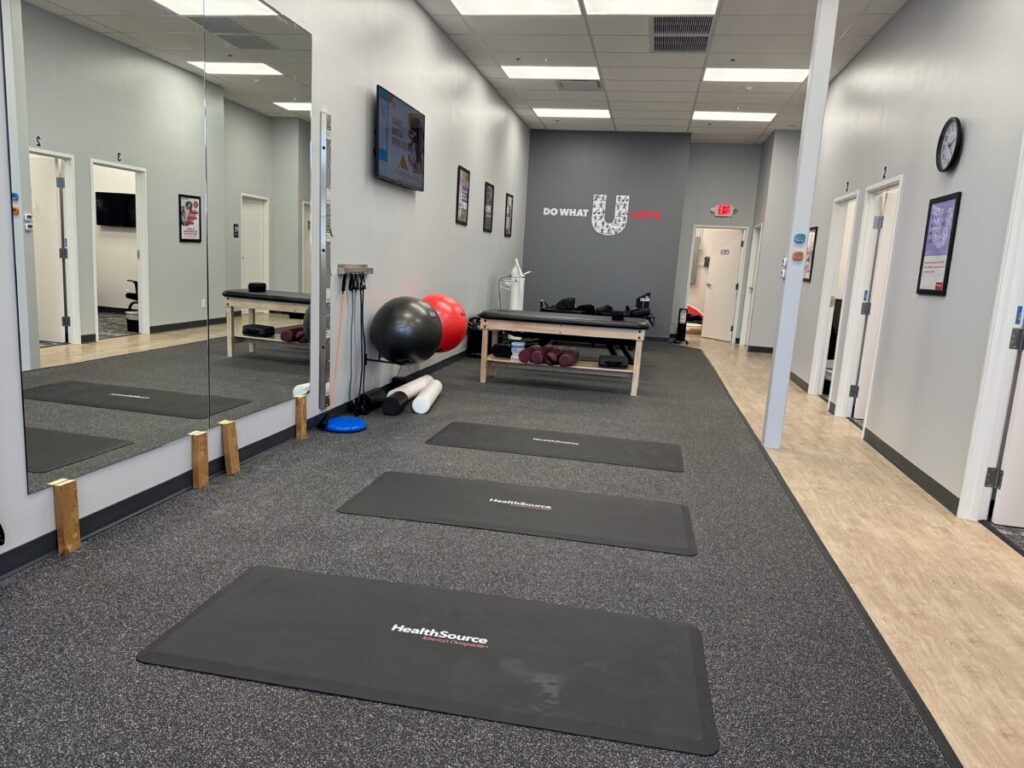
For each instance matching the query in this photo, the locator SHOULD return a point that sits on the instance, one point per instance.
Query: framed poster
(508, 215)
(812, 238)
(488, 206)
(462, 197)
(937, 254)
(190, 219)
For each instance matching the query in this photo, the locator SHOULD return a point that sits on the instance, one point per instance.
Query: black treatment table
(287, 302)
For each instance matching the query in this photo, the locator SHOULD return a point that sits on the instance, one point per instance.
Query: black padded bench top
(566, 318)
(282, 296)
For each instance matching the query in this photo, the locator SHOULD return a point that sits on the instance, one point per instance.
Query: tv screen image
(400, 142)
(115, 209)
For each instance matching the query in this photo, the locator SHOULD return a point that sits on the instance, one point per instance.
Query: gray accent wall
(718, 173)
(565, 253)
(935, 59)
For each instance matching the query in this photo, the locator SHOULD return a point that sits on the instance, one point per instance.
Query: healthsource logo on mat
(442, 636)
(599, 215)
(552, 440)
(523, 504)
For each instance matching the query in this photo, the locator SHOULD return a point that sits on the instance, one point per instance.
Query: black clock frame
(956, 150)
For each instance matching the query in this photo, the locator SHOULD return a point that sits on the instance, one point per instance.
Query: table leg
(484, 350)
(252, 321)
(229, 323)
(637, 354)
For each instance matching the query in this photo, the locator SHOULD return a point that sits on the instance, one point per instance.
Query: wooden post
(200, 459)
(229, 441)
(65, 513)
(300, 417)
(485, 349)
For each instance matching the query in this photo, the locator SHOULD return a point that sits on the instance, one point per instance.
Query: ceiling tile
(622, 43)
(652, 73)
(667, 60)
(619, 25)
(764, 25)
(761, 44)
(527, 25)
(537, 43)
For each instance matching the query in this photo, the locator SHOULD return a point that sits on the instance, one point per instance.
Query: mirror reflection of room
(148, 182)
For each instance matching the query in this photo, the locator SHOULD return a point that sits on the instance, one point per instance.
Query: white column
(806, 171)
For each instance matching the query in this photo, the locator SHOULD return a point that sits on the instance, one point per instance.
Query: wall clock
(947, 153)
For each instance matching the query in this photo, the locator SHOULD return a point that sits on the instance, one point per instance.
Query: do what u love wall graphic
(598, 214)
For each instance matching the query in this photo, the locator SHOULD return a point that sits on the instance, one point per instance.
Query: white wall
(116, 247)
(774, 208)
(718, 173)
(936, 58)
(410, 238)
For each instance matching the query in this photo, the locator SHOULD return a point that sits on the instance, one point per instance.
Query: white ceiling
(153, 29)
(648, 91)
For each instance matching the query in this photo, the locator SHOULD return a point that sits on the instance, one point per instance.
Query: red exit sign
(724, 210)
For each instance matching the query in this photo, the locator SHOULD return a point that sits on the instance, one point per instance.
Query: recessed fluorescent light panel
(218, 7)
(735, 117)
(572, 113)
(234, 68)
(517, 7)
(552, 73)
(294, 106)
(761, 75)
(651, 7)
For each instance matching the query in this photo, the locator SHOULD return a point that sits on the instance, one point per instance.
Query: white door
(748, 300)
(307, 246)
(724, 254)
(254, 233)
(887, 204)
(46, 245)
(1009, 506)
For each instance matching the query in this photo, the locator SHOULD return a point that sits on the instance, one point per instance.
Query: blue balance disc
(345, 424)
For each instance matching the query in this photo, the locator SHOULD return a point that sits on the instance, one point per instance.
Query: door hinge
(1017, 338)
(60, 182)
(854, 390)
(737, 287)
(878, 222)
(994, 478)
(65, 321)
(62, 253)
(732, 328)
(865, 308)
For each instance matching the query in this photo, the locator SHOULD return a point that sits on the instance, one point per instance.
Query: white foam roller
(425, 400)
(412, 388)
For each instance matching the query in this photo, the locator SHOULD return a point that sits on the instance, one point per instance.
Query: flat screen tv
(115, 209)
(399, 141)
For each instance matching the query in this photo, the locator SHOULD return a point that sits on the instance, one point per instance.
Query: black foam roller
(394, 405)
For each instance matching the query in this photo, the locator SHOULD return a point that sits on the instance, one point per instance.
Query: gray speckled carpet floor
(264, 378)
(796, 675)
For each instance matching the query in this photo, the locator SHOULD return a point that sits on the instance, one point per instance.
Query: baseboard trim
(88, 338)
(1002, 537)
(762, 350)
(799, 382)
(46, 545)
(928, 484)
(929, 720)
(178, 326)
(832, 408)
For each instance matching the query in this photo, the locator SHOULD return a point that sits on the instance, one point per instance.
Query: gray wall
(936, 58)
(718, 173)
(774, 208)
(567, 256)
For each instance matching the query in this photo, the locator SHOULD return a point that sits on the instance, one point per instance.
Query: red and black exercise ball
(406, 330)
(453, 320)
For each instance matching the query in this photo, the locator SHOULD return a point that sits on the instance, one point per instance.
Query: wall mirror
(160, 164)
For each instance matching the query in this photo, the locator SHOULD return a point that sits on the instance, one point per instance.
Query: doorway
(307, 245)
(863, 318)
(714, 279)
(255, 237)
(748, 298)
(120, 250)
(54, 246)
(837, 260)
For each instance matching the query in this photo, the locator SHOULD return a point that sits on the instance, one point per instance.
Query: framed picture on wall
(937, 254)
(488, 206)
(508, 215)
(812, 239)
(190, 219)
(462, 197)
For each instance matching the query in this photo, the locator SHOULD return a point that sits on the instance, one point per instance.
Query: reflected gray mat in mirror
(114, 397)
(50, 449)
(155, 183)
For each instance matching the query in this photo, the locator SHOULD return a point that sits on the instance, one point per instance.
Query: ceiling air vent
(682, 25)
(680, 44)
(578, 85)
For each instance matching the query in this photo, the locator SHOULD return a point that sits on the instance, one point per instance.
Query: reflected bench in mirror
(290, 326)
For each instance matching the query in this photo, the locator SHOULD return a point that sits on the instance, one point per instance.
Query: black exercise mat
(50, 449)
(160, 402)
(578, 671)
(562, 445)
(657, 526)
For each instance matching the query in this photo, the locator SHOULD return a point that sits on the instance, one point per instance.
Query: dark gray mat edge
(108, 444)
(898, 672)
